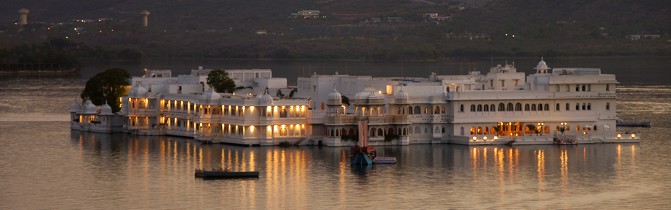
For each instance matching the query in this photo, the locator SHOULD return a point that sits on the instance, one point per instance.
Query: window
(486, 108)
(584, 107)
(567, 107)
(479, 107)
(547, 107)
(540, 107)
(589, 106)
(510, 107)
(607, 106)
(417, 110)
(607, 87)
(461, 108)
(502, 107)
(410, 110)
(577, 106)
(526, 107)
(518, 107)
(577, 88)
(557, 107)
(583, 88)
(533, 107)
(492, 108)
(472, 108)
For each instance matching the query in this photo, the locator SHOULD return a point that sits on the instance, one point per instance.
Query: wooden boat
(622, 123)
(225, 174)
(384, 160)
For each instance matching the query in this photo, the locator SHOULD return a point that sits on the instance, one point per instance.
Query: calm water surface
(45, 165)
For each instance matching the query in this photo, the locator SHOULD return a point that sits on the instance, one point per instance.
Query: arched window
(589, 106)
(492, 108)
(479, 107)
(502, 107)
(436, 110)
(540, 107)
(577, 88)
(583, 88)
(584, 107)
(461, 108)
(409, 109)
(443, 129)
(472, 107)
(547, 107)
(417, 110)
(518, 107)
(557, 107)
(577, 106)
(486, 108)
(380, 132)
(568, 107)
(372, 132)
(607, 106)
(526, 107)
(510, 107)
(426, 110)
(533, 107)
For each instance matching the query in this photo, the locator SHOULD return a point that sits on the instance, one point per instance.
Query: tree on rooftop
(220, 81)
(107, 86)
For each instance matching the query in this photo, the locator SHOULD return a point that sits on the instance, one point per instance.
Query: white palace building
(498, 107)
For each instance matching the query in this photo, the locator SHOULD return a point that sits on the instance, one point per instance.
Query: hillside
(348, 29)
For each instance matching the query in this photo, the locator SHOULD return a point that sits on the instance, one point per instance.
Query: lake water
(46, 166)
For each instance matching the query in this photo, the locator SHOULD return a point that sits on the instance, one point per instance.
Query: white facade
(497, 107)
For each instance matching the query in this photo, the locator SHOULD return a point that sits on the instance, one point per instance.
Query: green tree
(107, 86)
(220, 81)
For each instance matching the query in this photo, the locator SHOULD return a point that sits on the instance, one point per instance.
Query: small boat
(384, 160)
(622, 123)
(225, 174)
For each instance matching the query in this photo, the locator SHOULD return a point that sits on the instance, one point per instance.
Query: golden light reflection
(563, 157)
(540, 160)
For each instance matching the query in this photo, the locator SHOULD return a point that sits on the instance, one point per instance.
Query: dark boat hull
(227, 174)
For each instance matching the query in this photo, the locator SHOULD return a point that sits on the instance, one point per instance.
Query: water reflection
(296, 175)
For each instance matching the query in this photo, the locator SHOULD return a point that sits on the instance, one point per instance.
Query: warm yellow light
(633, 135)
(485, 138)
(495, 138)
(474, 138)
(619, 135)
(251, 108)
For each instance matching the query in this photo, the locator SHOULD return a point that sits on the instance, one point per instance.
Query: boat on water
(384, 160)
(622, 123)
(225, 174)
(565, 139)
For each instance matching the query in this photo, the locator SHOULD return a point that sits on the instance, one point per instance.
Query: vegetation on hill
(348, 29)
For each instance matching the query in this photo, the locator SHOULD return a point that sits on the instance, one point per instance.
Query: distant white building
(500, 106)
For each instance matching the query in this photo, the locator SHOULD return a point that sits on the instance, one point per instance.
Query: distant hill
(353, 28)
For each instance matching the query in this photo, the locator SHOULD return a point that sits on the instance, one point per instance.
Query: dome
(365, 93)
(402, 95)
(542, 65)
(137, 90)
(89, 108)
(106, 109)
(265, 98)
(75, 107)
(334, 98)
(210, 96)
